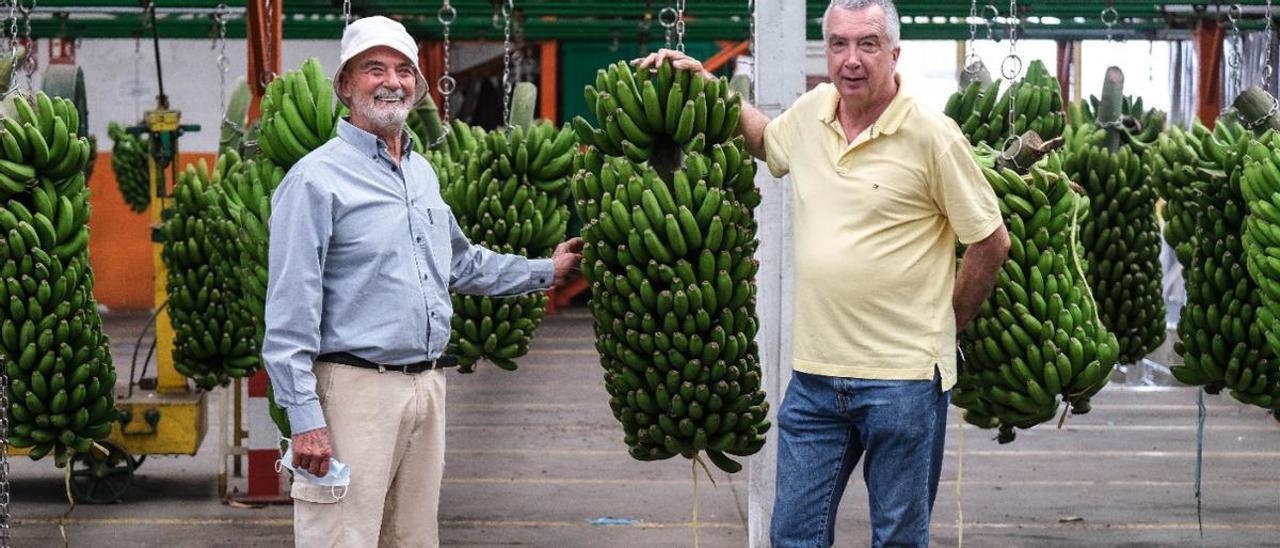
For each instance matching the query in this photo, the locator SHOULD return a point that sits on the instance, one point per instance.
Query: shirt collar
(368, 143)
(890, 120)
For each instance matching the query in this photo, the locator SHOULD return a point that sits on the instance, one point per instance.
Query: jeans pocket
(309, 492)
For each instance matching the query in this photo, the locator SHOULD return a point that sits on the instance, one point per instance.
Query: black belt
(418, 367)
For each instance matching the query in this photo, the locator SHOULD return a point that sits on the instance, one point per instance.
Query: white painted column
(780, 79)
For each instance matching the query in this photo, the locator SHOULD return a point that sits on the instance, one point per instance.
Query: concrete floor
(535, 456)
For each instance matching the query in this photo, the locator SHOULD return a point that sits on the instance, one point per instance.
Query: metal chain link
(971, 58)
(1267, 67)
(680, 25)
(224, 64)
(507, 84)
(751, 26)
(446, 84)
(989, 15)
(1109, 18)
(13, 40)
(1010, 69)
(667, 18)
(33, 60)
(1235, 61)
(346, 13)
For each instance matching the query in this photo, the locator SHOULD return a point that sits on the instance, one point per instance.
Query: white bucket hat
(371, 32)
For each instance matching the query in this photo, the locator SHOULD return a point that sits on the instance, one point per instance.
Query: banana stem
(1257, 110)
(976, 72)
(523, 102)
(1111, 107)
(1025, 152)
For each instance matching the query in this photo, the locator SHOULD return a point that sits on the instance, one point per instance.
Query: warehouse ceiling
(629, 20)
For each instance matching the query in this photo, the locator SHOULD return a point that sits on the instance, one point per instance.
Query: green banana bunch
(673, 284)
(1222, 340)
(129, 162)
(1121, 239)
(1174, 163)
(298, 114)
(504, 189)
(424, 122)
(1259, 182)
(1038, 336)
(210, 346)
(52, 347)
(981, 109)
(656, 116)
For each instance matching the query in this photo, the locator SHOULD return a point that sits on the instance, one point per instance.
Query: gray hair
(893, 24)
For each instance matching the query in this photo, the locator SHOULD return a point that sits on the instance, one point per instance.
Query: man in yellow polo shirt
(882, 188)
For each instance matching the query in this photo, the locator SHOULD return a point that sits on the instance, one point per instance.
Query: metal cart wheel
(102, 480)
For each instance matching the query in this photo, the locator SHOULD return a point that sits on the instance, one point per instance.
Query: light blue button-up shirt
(363, 255)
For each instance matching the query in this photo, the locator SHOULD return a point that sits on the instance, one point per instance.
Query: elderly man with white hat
(363, 255)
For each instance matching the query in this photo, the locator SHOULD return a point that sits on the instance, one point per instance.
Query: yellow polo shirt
(876, 222)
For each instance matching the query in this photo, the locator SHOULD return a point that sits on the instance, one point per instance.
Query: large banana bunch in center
(52, 347)
(1259, 185)
(1222, 342)
(129, 162)
(1038, 336)
(298, 114)
(1121, 240)
(982, 110)
(670, 236)
(505, 191)
(211, 345)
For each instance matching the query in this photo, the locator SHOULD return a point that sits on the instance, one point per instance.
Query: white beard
(384, 115)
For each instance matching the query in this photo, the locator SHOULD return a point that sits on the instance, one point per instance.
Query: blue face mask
(338, 478)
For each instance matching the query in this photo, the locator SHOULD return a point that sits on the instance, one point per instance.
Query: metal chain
(507, 84)
(971, 49)
(1267, 67)
(446, 84)
(13, 40)
(224, 64)
(667, 18)
(1011, 68)
(346, 13)
(680, 25)
(751, 18)
(1235, 61)
(989, 15)
(33, 60)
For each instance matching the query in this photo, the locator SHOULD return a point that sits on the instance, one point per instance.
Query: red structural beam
(264, 57)
(1208, 39)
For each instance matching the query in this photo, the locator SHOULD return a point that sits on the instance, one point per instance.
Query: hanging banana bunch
(298, 114)
(1222, 342)
(504, 189)
(1175, 166)
(1121, 236)
(1142, 126)
(1259, 183)
(981, 109)
(210, 346)
(669, 258)
(129, 162)
(1038, 336)
(55, 354)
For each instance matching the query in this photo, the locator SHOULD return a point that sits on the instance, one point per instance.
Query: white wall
(118, 92)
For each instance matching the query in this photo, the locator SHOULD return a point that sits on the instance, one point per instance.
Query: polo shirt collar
(368, 143)
(890, 120)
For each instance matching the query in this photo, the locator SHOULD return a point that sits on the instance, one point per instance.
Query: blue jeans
(825, 426)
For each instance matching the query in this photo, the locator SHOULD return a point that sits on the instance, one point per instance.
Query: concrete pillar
(779, 80)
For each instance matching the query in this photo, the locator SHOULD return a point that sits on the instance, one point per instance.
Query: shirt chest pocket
(432, 235)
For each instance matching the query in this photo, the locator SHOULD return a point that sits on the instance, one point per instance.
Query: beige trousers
(389, 428)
